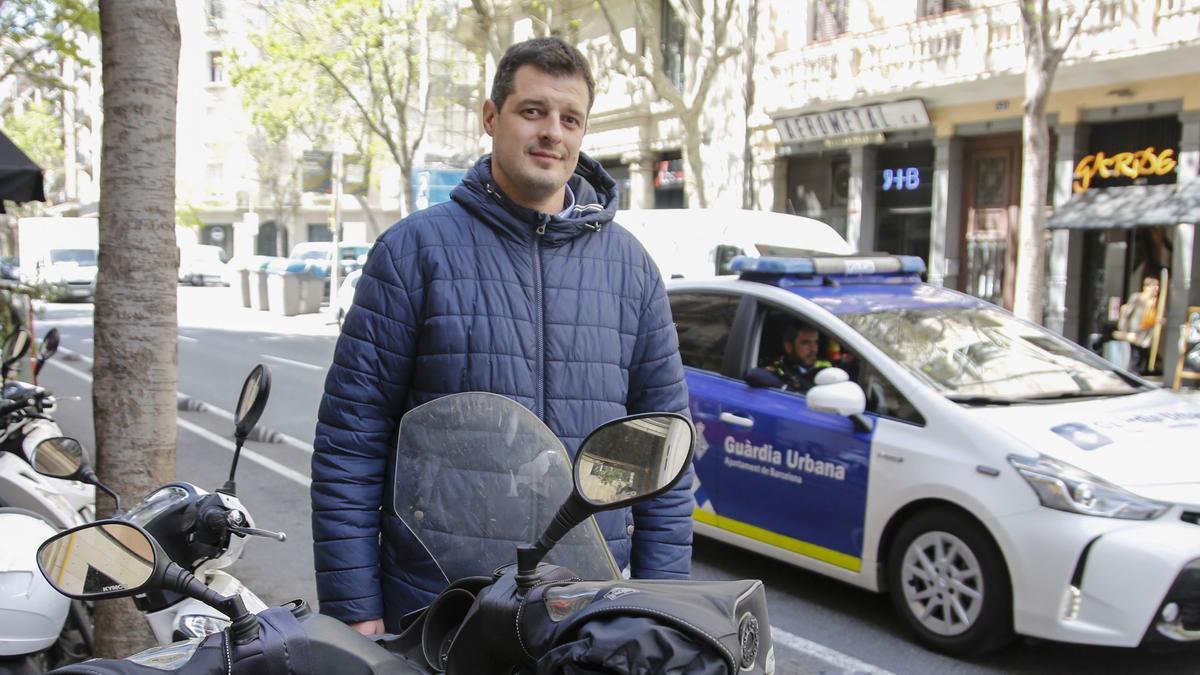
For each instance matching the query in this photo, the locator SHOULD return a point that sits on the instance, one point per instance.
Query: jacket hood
(595, 203)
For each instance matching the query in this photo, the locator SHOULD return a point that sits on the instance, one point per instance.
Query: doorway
(992, 181)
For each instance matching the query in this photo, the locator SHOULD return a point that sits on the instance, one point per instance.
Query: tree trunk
(406, 193)
(693, 174)
(749, 187)
(1035, 156)
(134, 387)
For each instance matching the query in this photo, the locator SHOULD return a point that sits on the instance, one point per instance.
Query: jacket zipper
(539, 308)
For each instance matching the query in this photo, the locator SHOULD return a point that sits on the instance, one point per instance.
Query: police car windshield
(981, 354)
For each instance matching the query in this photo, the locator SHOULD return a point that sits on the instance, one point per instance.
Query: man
(520, 285)
(798, 366)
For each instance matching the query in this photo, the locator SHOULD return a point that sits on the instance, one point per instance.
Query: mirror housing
(628, 460)
(116, 559)
(833, 392)
(60, 457)
(251, 401)
(49, 344)
(16, 346)
(63, 457)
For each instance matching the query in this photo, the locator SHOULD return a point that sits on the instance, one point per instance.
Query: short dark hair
(550, 55)
(793, 330)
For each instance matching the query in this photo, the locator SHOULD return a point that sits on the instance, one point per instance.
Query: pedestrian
(1136, 323)
(520, 285)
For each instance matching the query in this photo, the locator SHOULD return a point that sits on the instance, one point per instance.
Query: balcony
(962, 47)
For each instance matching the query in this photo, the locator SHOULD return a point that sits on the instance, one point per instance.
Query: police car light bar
(833, 265)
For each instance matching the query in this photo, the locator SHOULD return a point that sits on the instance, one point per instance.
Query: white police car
(991, 476)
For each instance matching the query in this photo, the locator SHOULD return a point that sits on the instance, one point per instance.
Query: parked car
(345, 296)
(990, 476)
(201, 265)
(321, 254)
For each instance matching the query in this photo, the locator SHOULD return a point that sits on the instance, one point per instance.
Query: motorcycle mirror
(49, 344)
(16, 346)
(252, 400)
(633, 459)
(116, 559)
(63, 457)
(103, 559)
(58, 457)
(622, 462)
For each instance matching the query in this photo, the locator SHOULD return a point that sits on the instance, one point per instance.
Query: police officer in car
(797, 366)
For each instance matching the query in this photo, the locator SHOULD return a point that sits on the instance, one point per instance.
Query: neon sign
(907, 178)
(1129, 164)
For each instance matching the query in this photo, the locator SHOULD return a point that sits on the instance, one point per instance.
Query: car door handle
(737, 420)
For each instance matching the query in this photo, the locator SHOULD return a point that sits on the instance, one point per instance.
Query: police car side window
(883, 398)
(703, 322)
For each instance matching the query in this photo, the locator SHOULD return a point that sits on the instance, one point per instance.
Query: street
(821, 626)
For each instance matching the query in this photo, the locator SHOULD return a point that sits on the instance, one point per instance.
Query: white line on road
(845, 662)
(185, 338)
(293, 363)
(262, 461)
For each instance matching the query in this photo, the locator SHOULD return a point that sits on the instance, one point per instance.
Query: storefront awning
(1128, 207)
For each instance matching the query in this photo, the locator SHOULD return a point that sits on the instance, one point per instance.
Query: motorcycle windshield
(478, 474)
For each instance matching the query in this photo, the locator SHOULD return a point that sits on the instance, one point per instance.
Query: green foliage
(37, 35)
(38, 132)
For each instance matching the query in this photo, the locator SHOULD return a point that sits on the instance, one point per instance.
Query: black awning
(1130, 206)
(20, 178)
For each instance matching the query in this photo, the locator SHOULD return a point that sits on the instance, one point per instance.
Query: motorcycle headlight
(1064, 487)
(199, 625)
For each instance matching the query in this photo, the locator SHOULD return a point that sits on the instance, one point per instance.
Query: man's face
(803, 350)
(536, 137)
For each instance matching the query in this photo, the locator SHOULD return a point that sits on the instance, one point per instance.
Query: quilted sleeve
(365, 391)
(662, 537)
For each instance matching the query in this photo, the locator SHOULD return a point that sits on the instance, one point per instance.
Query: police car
(992, 477)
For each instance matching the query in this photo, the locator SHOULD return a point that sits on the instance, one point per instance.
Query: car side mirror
(833, 392)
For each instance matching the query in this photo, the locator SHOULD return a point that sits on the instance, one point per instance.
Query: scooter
(495, 616)
(203, 532)
(25, 422)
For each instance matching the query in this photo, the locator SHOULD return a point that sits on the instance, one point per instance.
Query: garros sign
(1129, 164)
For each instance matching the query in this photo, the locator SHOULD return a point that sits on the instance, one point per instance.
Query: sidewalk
(221, 307)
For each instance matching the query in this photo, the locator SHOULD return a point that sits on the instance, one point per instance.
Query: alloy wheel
(942, 583)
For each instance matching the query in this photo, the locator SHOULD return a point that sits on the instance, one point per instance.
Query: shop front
(1135, 221)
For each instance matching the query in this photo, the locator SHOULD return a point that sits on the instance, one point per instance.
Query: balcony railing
(965, 46)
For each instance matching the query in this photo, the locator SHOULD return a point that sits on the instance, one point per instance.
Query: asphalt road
(821, 626)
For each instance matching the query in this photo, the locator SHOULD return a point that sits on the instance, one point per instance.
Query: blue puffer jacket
(567, 316)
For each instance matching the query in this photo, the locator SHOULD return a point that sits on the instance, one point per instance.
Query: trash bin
(257, 283)
(292, 288)
(241, 280)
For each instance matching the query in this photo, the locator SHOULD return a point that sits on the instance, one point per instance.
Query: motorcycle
(495, 616)
(26, 422)
(201, 531)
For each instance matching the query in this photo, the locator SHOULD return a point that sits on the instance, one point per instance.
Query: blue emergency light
(842, 265)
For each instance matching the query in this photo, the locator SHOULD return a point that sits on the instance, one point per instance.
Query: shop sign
(906, 178)
(1132, 165)
(853, 141)
(879, 118)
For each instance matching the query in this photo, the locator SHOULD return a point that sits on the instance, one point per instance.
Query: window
(829, 19)
(936, 7)
(703, 321)
(319, 232)
(216, 67)
(883, 398)
(673, 44)
(216, 9)
(214, 176)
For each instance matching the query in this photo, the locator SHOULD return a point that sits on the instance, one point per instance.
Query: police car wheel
(947, 579)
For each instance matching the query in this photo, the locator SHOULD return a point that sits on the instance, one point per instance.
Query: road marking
(265, 462)
(185, 338)
(845, 662)
(293, 363)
